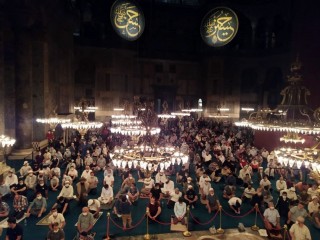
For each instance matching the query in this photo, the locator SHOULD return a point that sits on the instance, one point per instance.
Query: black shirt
(13, 233)
(156, 193)
(191, 194)
(60, 205)
(42, 189)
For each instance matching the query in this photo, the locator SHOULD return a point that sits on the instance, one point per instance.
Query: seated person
(168, 188)
(180, 210)
(313, 191)
(204, 190)
(153, 209)
(20, 188)
(108, 177)
(291, 194)
(73, 173)
(265, 183)
(180, 174)
(38, 206)
(42, 188)
(303, 197)
(316, 218)
(55, 232)
(228, 192)
(267, 196)
(248, 193)
(281, 184)
(212, 201)
(62, 205)
(4, 209)
(20, 205)
(174, 197)
(66, 191)
(133, 193)
(156, 192)
(11, 179)
(93, 183)
(106, 196)
(235, 204)
(272, 220)
(85, 221)
(160, 178)
(54, 183)
(56, 217)
(31, 180)
(191, 197)
(188, 182)
(5, 192)
(94, 207)
(170, 170)
(313, 205)
(148, 184)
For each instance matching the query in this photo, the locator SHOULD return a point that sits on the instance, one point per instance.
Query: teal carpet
(31, 231)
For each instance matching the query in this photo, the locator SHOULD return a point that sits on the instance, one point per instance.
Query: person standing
(299, 231)
(14, 230)
(153, 209)
(123, 207)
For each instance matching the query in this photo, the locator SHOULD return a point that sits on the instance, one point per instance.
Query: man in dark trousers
(14, 230)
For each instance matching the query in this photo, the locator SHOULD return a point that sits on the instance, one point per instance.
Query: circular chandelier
(147, 157)
(292, 115)
(82, 127)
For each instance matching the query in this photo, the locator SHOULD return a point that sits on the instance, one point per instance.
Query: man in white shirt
(248, 193)
(161, 178)
(94, 207)
(299, 231)
(313, 206)
(168, 187)
(174, 197)
(31, 180)
(25, 169)
(86, 173)
(235, 204)
(66, 191)
(265, 182)
(106, 196)
(11, 178)
(109, 179)
(56, 217)
(281, 184)
(180, 209)
(272, 219)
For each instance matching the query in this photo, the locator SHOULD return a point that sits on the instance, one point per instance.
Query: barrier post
(220, 230)
(108, 225)
(285, 227)
(187, 233)
(255, 227)
(147, 235)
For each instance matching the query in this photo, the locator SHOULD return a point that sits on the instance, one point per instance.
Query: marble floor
(232, 234)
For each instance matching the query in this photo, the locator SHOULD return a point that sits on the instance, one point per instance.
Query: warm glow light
(7, 141)
(247, 109)
(118, 109)
(52, 120)
(223, 109)
(180, 114)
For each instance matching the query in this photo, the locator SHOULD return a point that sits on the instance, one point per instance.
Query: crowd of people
(220, 154)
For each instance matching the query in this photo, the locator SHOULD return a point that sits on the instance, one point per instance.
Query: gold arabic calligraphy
(127, 19)
(220, 27)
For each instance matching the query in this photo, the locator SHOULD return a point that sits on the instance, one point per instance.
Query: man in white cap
(66, 191)
(299, 231)
(94, 207)
(191, 196)
(25, 169)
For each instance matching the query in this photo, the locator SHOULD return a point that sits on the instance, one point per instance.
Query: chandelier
(6, 144)
(292, 115)
(147, 154)
(81, 122)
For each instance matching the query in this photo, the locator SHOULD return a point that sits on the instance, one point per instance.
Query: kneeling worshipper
(272, 221)
(127, 183)
(20, 188)
(191, 196)
(168, 188)
(56, 233)
(66, 191)
(174, 197)
(235, 204)
(316, 218)
(62, 205)
(93, 183)
(180, 209)
(14, 230)
(5, 192)
(31, 180)
(94, 207)
(82, 191)
(20, 204)
(56, 217)
(106, 196)
(4, 209)
(38, 206)
(148, 184)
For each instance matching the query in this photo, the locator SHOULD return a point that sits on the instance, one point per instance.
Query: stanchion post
(187, 233)
(285, 227)
(220, 230)
(147, 236)
(108, 226)
(255, 227)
